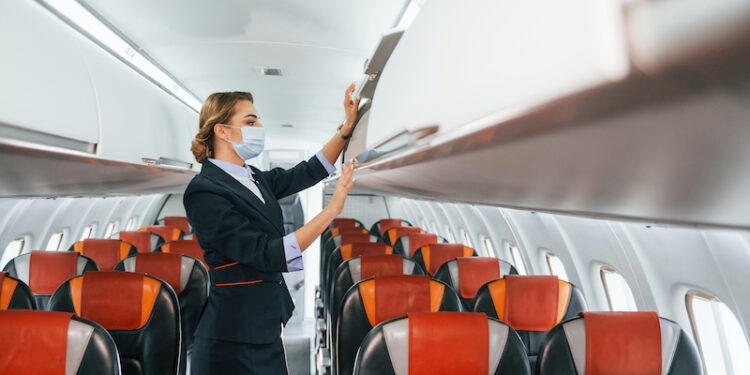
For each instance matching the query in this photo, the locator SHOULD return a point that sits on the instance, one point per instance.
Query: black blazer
(242, 240)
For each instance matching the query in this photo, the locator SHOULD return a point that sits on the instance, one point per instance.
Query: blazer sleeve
(285, 182)
(231, 233)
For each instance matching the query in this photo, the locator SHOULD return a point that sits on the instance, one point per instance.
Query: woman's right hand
(344, 184)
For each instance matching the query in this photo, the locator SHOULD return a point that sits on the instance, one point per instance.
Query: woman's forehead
(244, 108)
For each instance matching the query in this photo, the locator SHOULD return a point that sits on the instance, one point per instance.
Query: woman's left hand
(351, 109)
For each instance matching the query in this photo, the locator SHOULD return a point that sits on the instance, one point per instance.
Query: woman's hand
(351, 109)
(344, 184)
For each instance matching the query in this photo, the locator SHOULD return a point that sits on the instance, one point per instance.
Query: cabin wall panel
(499, 231)
(365, 208)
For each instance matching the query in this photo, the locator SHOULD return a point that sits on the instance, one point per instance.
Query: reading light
(75, 14)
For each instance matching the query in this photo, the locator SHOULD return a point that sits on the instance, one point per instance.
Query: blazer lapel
(216, 174)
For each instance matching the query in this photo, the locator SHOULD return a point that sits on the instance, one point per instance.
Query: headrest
(386, 224)
(49, 269)
(436, 254)
(530, 303)
(105, 252)
(381, 265)
(353, 250)
(394, 234)
(417, 240)
(180, 222)
(120, 301)
(454, 342)
(185, 247)
(169, 233)
(347, 230)
(7, 287)
(140, 239)
(33, 342)
(354, 237)
(165, 266)
(473, 272)
(392, 296)
(341, 222)
(623, 343)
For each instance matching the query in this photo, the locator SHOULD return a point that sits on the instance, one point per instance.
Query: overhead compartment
(544, 106)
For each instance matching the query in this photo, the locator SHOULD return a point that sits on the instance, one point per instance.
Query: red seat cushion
(344, 222)
(623, 343)
(164, 266)
(185, 247)
(381, 265)
(390, 297)
(49, 269)
(106, 253)
(357, 249)
(436, 254)
(7, 287)
(396, 233)
(141, 240)
(33, 342)
(169, 233)
(354, 237)
(448, 343)
(418, 240)
(178, 222)
(473, 272)
(386, 224)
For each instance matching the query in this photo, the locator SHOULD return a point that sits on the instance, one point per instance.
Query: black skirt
(218, 357)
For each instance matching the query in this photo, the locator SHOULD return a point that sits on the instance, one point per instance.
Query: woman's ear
(219, 132)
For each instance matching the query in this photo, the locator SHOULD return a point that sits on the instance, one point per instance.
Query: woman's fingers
(348, 96)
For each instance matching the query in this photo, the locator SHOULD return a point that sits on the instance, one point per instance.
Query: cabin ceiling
(218, 45)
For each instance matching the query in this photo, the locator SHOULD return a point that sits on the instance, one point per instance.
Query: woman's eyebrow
(252, 115)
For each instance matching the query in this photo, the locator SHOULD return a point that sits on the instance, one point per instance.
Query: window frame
(23, 240)
(609, 269)
(522, 270)
(59, 240)
(548, 255)
(466, 239)
(112, 224)
(91, 228)
(132, 222)
(490, 250)
(720, 327)
(451, 237)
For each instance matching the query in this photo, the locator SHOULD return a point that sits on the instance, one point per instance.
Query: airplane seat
(391, 235)
(532, 305)
(339, 231)
(382, 225)
(618, 343)
(408, 244)
(169, 233)
(45, 342)
(349, 251)
(345, 222)
(335, 242)
(44, 271)
(143, 241)
(141, 313)
(189, 280)
(105, 252)
(180, 222)
(431, 257)
(15, 294)
(467, 274)
(373, 301)
(184, 247)
(442, 343)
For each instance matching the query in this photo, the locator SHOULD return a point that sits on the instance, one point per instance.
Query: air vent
(286, 125)
(271, 71)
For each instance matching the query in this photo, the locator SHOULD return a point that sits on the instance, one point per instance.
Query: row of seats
(148, 302)
(387, 313)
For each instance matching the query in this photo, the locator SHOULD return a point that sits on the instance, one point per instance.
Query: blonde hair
(217, 109)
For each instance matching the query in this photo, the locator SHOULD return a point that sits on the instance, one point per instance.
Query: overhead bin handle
(167, 162)
(399, 141)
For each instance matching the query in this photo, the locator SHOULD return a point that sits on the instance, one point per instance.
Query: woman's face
(245, 114)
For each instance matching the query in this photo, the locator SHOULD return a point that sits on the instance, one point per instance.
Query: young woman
(237, 219)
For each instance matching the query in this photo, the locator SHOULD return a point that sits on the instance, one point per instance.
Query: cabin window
(515, 254)
(720, 336)
(111, 228)
(434, 227)
(449, 234)
(131, 223)
(556, 266)
(12, 250)
(619, 294)
(54, 241)
(88, 232)
(465, 237)
(488, 248)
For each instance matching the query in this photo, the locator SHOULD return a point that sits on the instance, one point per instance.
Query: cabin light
(410, 12)
(90, 25)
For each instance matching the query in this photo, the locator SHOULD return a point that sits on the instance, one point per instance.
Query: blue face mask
(253, 139)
